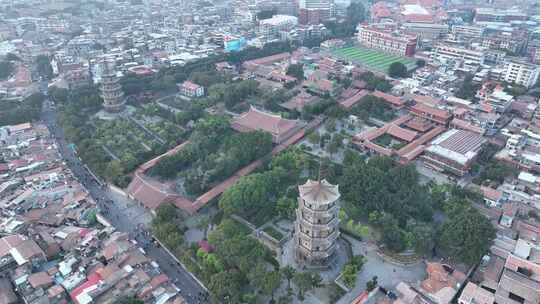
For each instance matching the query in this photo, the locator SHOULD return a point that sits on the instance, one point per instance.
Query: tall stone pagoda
(316, 226)
(111, 90)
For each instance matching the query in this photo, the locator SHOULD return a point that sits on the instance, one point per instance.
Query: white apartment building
(444, 52)
(276, 24)
(316, 4)
(522, 73)
(468, 31)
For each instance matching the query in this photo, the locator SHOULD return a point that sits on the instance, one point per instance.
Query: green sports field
(372, 59)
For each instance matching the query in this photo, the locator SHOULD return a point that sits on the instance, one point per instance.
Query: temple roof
(258, 120)
(319, 192)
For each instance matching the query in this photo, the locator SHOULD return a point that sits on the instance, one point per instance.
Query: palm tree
(288, 272)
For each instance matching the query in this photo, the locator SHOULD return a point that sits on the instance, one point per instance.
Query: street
(125, 214)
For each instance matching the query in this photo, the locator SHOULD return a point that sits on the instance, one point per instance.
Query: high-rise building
(316, 226)
(522, 73)
(276, 25)
(111, 90)
(282, 7)
(315, 11)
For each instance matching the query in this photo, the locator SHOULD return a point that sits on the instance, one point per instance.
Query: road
(123, 213)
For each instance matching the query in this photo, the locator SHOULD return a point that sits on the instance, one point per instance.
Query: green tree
(467, 89)
(44, 67)
(371, 284)
(226, 286)
(286, 206)
(288, 273)
(314, 138)
(466, 235)
(265, 14)
(59, 95)
(422, 236)
(12, 57)
(272, 280)
(355, 14)
(129, 300)
(306, 281)
(296, 71)
(114, 170)
(6, 69)
(397, 70)
(165, 213)
(330, 125)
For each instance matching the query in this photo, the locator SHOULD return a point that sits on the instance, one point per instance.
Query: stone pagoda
(316, 227)
(111, 90)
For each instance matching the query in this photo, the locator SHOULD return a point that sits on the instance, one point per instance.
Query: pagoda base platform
(105, 115)
(329, 272)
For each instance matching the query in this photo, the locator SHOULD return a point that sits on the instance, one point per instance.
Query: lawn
(372, 59)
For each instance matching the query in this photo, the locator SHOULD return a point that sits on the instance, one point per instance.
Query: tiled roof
(39, 279)
(401, 133)
(258, 120)
(394, 100)
(8, 242)
(423, 108)
(190, 85)
(158, 280)
(491, 194)
(354, 99)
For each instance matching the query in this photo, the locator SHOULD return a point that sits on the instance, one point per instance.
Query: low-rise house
(492, 197)
(474, 294)
(190, 89)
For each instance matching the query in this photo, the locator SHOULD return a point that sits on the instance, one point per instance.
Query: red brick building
(387, 39)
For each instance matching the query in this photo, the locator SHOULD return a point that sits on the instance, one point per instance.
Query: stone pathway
(389, 274)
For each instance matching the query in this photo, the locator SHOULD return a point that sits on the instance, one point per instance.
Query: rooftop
(258, 120)
(321, 192)
(459, 145)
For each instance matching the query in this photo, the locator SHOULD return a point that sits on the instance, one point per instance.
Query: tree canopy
(345, 28)
(44, 67)
(29, 109)
(397, 70)
(296, 71)
(388, 193)
(467, 235)
(213, 154)
(257, 195)
(6, 69)
(244, 260)
(467, 89)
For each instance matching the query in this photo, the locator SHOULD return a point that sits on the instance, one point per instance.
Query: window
(516, 298)
(525, 271)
